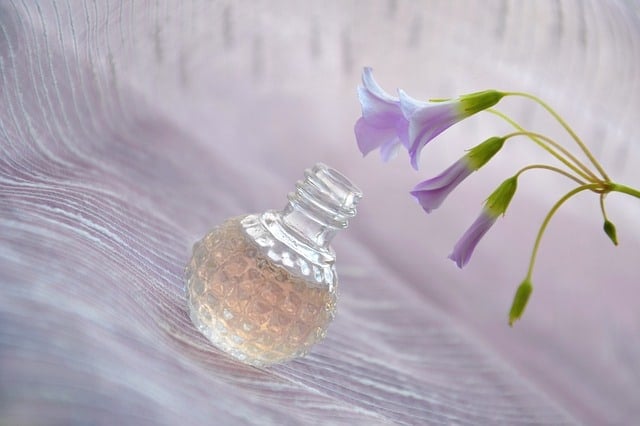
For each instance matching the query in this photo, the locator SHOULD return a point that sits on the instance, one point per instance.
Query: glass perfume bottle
(262, 287)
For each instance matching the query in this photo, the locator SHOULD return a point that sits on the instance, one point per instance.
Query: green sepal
(610, 230)
(479, 101)
(480, 154)
(499, 200)
(520, 301)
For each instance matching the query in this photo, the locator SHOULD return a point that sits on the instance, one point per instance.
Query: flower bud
(610, 230)
(520, 301)
(499, 200)
(480, 154)
(479, 101)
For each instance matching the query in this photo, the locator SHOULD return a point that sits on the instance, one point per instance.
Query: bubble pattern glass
(262, 287)
(249, 306)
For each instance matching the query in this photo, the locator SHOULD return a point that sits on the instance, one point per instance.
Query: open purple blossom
(388, 122)
(382, 125)
(464, 248)
(428, 119)
(432, 192)
(495, 206)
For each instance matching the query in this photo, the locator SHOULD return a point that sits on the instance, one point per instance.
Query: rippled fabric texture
(128, 129)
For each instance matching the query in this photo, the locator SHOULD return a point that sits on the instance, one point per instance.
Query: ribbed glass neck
(320, 206)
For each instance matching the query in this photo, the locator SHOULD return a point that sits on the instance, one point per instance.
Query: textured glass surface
(263, 287)
(250, 306)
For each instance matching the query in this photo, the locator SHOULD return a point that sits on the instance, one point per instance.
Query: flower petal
(464, 247)
(374, 88)
(382, 124)
(370, 138)
(432, 192)
(375, 108)
(389, 150)
(426, 121)
(409, 105)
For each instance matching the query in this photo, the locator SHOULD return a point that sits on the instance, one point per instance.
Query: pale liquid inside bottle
(249, 306)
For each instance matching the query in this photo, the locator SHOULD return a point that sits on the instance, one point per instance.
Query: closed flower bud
(610, 230)
(520, 301)
(432, 192)
(495, 206)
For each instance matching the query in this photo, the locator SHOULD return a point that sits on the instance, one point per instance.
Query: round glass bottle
(262, 287)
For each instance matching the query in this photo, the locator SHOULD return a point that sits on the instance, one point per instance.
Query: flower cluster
(390, 123)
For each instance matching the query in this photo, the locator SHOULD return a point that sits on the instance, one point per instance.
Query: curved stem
(604, 211)
(553, 169)
(556, 206)
(566, 127)
(541, 139)
(550, 141)
(625, 189)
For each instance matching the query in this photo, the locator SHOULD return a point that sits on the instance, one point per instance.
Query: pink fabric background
(128, 129)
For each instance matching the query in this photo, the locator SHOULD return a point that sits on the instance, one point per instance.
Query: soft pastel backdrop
(129, 128)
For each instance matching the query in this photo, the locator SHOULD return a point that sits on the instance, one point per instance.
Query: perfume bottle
(262, 287)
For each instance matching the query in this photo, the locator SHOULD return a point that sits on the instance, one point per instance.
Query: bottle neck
(299, 223)
(320, 206)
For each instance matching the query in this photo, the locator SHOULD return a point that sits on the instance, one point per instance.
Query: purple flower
(428, 119)
(432, 192)
(388, 123)
(383, 125)
(495, 206)
(464, 247)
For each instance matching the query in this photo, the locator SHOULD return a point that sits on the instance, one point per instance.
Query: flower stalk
(389, 123)
(566, 126)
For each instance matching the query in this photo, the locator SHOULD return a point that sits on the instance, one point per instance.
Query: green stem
(551, 142)
(556, 206)
(625, 189)
(604, 211)
(553, 169)
(540, 139)
(566, 127)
